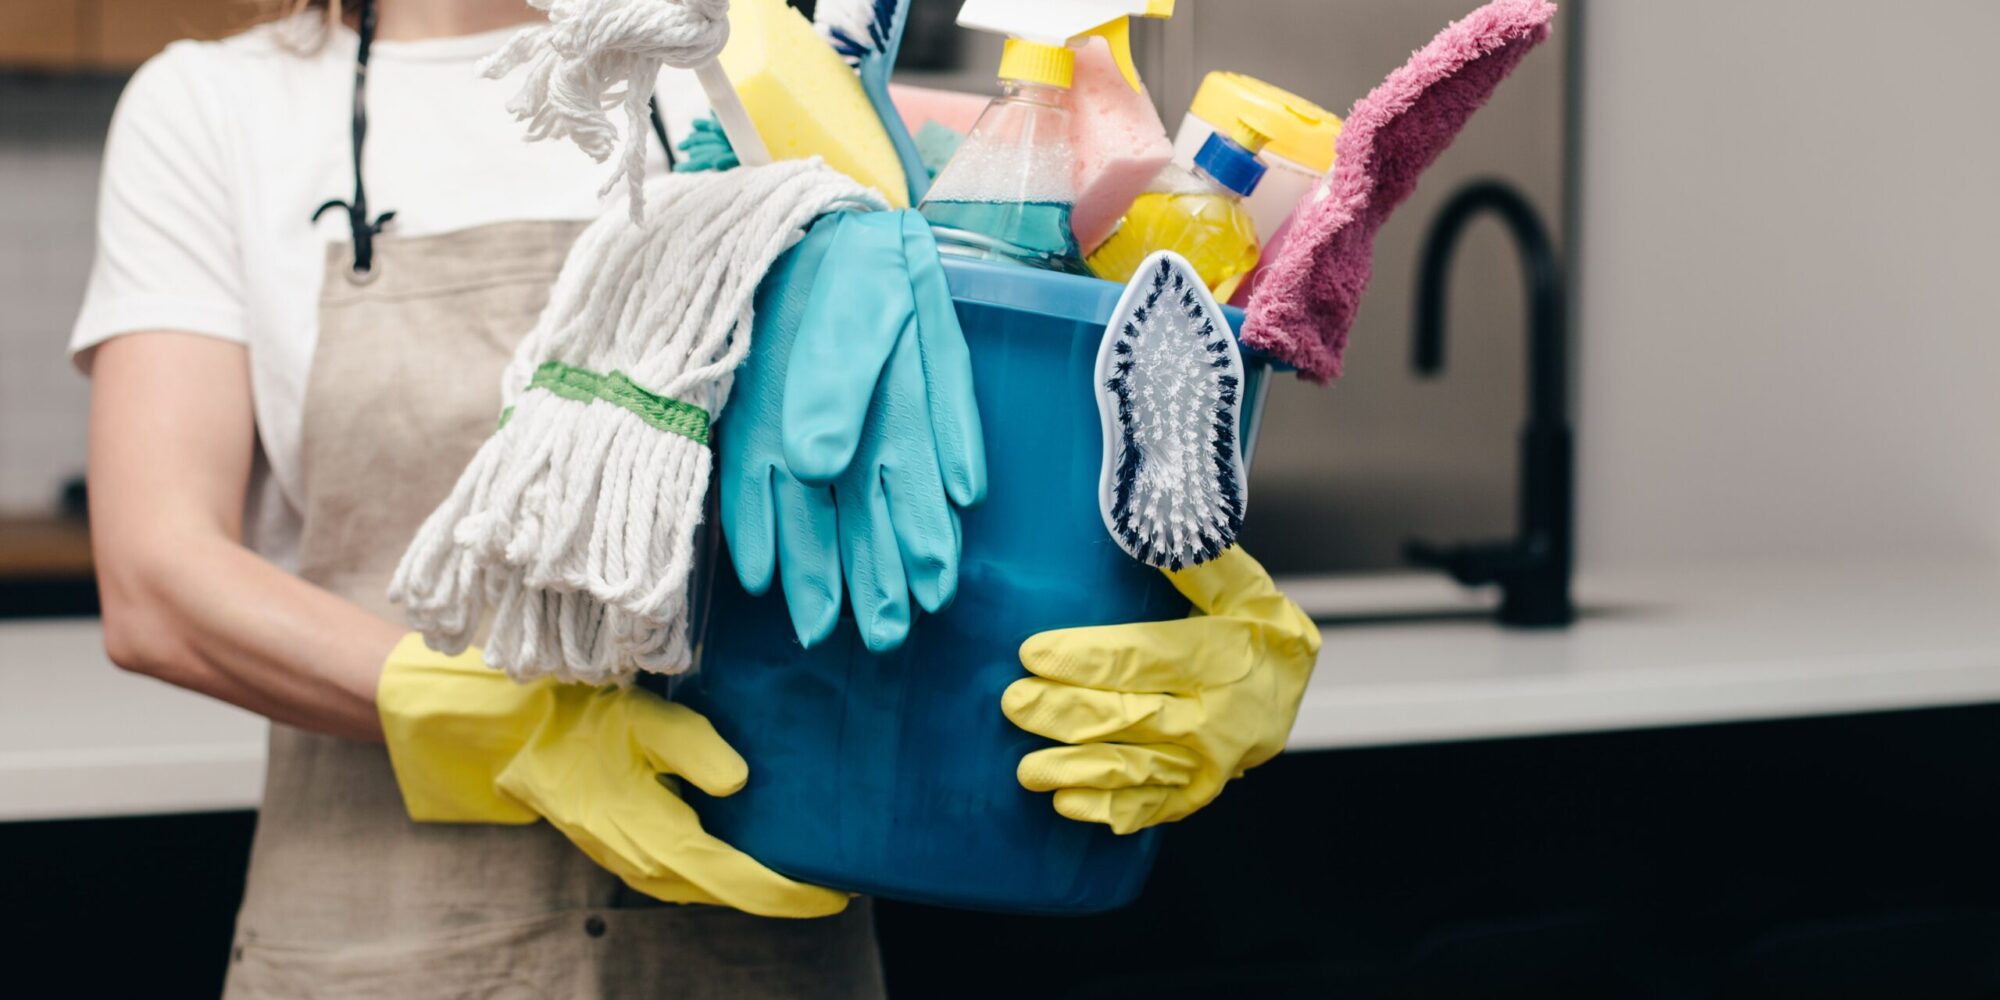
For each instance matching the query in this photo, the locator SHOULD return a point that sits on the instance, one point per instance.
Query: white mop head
(1169, 388)
(596, 55)
(575, 522)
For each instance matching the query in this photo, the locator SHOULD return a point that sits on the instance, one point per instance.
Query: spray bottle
(1197, 212)
(1007, 194)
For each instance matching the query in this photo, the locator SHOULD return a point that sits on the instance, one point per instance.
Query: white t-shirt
(220, 151)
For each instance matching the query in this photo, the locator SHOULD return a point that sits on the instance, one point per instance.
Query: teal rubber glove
(769, 518)
(706, 148)
(888, 417)
(858, 348)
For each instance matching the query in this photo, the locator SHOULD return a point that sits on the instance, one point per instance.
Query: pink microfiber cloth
(1305, 300)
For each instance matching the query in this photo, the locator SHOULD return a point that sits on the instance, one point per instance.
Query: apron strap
(364, 228)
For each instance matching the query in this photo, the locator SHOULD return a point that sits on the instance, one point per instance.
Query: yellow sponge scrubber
(804, 99)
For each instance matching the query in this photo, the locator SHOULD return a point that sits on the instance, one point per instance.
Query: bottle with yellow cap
(1297, 153)
(1007, 193)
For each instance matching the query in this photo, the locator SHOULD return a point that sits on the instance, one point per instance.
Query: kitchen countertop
(1666, 648)
(79, 737)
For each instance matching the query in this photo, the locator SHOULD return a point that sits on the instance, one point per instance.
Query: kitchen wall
(1789, 336)
(1344, 474)
(51, 134)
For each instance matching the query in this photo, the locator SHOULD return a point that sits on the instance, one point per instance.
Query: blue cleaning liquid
(1035, 233)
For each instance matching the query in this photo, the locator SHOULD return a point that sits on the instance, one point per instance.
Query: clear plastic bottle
(1007, 194)
(1197, 213)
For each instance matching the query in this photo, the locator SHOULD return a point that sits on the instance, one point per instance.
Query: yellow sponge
(804, 99)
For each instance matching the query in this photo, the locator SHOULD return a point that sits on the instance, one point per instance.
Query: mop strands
(1169, 381)
(576, 521)
(578, 62)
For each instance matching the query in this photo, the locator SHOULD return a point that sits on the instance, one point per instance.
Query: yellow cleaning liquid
(1211, 229)
(1197, 213)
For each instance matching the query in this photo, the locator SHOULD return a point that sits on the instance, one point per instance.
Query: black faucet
(1533, 570)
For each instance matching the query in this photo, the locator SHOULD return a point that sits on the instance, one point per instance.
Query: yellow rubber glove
(1160, 715)
(471, 746)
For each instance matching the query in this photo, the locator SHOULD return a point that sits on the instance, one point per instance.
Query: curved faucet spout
(1548, 352)
(1534, 569)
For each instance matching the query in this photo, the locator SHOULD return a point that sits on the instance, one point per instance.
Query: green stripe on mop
(583, 385)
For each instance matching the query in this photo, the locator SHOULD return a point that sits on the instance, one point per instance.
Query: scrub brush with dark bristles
(1169, 393)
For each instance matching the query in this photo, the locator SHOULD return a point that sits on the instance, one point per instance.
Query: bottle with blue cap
(1197, 213)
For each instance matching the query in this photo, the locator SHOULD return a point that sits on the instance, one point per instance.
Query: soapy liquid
(1035, 233)
(1213, 231)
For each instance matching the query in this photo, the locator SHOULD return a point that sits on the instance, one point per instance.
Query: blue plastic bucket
(893, 775)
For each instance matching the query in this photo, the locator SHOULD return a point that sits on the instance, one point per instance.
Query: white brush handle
(743, 137)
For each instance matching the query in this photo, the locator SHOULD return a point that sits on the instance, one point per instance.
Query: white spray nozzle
(1061, 23)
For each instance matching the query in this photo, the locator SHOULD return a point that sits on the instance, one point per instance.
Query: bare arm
(171, 438)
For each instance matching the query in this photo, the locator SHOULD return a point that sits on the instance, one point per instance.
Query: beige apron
(346, 896)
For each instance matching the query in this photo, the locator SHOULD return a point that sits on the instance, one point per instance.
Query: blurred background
(1763, 761)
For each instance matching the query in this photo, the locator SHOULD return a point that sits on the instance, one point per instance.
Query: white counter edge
(131, 781)
(1488, 708)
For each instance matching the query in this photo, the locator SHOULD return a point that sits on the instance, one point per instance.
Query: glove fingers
(670, 888)
(859, 308)
(1181, 656)
(1070, 714)
(1107, 766)
(927, 534)
(747, 521)
(731, 877)
(748, 433)
(876, 585)
(947, 366)
(930, 556)
(651, 839)
(667, 851)
(925, 525)
(679, 741)
(809, 554)
(1124, 810)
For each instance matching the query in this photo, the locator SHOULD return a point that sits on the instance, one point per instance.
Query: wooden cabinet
(129, 31)
(108, 34)
(39, 34)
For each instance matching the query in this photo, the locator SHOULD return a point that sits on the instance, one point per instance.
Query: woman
(280, 397)
(285, 387)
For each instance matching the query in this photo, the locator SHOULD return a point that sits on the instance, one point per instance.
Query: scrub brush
(869, 34)
(1169, 390)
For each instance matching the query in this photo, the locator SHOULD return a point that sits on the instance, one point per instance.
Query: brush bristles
(857, 28)
(1176, 495)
